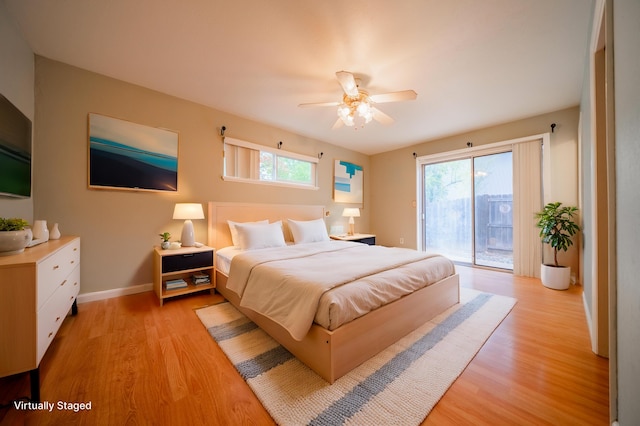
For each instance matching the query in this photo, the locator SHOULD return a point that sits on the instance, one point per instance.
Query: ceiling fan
(357, 106)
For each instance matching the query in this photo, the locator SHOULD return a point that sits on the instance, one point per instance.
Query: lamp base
(352, 226)
(188, 238)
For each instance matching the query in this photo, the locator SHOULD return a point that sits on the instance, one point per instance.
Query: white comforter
(286, 283)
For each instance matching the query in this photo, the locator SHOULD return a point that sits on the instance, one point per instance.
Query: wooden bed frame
(331, 354)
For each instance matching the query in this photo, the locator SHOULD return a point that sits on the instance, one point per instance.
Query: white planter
(14, 242)
(555, 277)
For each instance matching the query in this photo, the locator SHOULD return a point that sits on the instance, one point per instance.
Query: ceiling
(473, 63)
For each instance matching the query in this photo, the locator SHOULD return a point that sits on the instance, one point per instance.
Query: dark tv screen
(15, 151)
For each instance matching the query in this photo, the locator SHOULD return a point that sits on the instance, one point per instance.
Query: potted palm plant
(14, 235)
(557, 227)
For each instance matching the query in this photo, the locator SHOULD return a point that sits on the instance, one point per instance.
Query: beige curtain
(527, 196)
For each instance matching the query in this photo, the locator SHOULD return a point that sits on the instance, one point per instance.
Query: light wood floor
(139, 363)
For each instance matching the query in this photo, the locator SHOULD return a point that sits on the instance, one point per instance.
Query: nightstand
(369, 239)
(182, 271)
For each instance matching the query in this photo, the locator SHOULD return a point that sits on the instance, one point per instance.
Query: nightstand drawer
(368, 240)
(184, 261)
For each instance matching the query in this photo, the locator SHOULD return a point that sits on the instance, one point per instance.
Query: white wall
(626, 39)
(16, 84)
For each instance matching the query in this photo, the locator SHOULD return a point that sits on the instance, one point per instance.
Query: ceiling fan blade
(319, 104)
(381, 117)
(339, 123)
(348, 83)
(403, 95)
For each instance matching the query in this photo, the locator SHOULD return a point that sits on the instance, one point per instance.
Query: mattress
(344, 303)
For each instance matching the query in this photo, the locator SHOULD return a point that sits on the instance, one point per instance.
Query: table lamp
(351, 213)
(188, 211)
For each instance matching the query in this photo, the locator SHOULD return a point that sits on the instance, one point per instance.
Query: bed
(331, 347)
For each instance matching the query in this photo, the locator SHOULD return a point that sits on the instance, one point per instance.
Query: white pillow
(234, 232)
(257, 236)
(308, 231)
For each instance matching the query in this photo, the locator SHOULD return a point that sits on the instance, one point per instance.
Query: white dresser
(38, 288)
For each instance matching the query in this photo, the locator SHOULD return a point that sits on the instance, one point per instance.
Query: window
(248, 162)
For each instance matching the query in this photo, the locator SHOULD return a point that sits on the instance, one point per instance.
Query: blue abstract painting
(348, 183)
(125, 155)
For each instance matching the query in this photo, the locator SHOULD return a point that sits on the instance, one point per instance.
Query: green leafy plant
(165, 236)
(12, 224)
(557, 226)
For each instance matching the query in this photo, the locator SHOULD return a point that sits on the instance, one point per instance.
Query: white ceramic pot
(40, 230)
(14, 242)
(555, 277)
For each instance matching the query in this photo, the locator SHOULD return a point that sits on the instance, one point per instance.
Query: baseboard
(116, 292)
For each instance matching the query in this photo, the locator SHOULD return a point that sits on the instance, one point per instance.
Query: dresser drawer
(51, 315)
(53, 270)
(70, 287)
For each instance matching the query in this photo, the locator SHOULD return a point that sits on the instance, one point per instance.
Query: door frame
(604, 289)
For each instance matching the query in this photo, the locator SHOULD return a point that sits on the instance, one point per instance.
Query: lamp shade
(188, 211)
(351, 212)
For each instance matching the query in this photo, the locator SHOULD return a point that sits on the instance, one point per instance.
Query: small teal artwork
(348, 183)
(125, 155)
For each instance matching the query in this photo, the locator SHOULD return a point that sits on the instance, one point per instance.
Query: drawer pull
(73, 261)
(56, 267)
(57, 319)
(75, 283)
(71, 298)
(50, 334)
(63, 283)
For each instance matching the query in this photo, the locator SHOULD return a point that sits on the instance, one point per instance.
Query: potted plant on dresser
(557, 227)
(14, 236)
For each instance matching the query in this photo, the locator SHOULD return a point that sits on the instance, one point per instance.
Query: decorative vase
(55, 232)
(40, 230)
(165, 245)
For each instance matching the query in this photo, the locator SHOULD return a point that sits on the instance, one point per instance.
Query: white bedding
(297, 285)
(224, 257)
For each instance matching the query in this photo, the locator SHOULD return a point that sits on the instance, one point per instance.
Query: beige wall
(119, 228)
(394, 178)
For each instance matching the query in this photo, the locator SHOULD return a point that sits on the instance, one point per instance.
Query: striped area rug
(400, 385)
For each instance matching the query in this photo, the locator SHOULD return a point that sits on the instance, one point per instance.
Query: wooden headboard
(219, 235)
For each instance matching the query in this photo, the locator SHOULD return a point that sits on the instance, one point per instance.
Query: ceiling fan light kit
(356, 108)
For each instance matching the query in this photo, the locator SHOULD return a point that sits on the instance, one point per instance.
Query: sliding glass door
(467, 209)
(493, 209)
(447, 209)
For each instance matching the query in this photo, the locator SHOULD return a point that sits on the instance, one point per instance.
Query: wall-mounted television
(15, 151)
